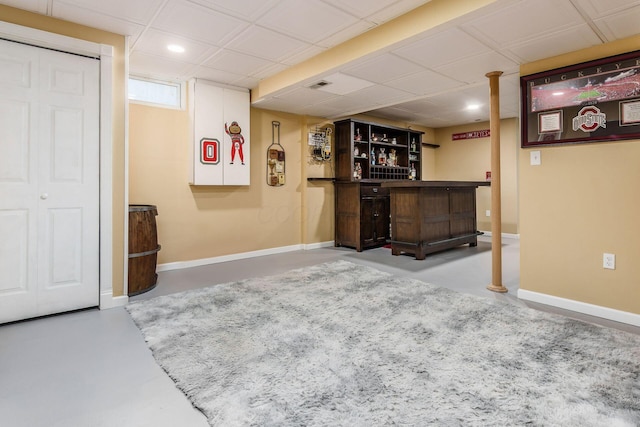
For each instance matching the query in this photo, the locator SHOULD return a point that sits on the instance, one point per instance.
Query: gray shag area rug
(340, 344)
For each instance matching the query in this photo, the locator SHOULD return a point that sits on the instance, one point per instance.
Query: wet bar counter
(430, 216)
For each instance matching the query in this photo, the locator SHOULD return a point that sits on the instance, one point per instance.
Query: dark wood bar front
(430, 216)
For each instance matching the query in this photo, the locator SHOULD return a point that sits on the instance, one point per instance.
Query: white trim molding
(318, 245)
(235, 257)
(581, 307)
(504, 235)
(224, 258)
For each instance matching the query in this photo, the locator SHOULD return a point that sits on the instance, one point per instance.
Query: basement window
(157, 93)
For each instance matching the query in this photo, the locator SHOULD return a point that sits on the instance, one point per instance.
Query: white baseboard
(504, 235)
(107, 300)
(318, 245)
(234, 257)
(581, 307)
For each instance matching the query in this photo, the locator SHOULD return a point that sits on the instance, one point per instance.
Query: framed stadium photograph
(588, 102)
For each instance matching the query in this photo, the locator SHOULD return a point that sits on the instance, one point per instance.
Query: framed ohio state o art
(588, 102)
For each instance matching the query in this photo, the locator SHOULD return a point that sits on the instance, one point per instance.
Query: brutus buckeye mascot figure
(237, 140)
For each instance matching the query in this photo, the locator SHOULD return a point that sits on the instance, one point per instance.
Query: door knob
(44, 196)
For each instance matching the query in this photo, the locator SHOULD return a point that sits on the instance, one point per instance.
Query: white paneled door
(49, 181)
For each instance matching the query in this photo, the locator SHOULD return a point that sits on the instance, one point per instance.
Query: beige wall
(470, 159)
(40, 22)
(199, 222)
(581, 202)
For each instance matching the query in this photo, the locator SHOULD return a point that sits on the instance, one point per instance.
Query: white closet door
(49, 181)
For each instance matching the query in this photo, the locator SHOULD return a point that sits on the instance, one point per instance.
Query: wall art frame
(592, 101)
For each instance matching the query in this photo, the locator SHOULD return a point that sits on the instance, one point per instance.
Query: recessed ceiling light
(557, 93)
(175, 48)
(472, 107)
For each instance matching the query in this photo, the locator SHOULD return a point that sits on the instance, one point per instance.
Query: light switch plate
(535, 158)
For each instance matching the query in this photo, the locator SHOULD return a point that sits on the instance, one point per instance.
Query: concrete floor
(93, 368)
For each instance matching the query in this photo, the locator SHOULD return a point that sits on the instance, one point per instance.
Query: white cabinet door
(221, 133)
(49, 181)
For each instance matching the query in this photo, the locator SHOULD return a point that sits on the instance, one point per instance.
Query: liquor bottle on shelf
(373, 157)
(357, 171)
(413, 145)
(358, 135)
(382, 157)
(412, 172)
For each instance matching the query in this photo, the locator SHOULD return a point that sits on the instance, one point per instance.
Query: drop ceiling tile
(552, 44)
(442, 48)
(424, 83)
(359, 8)
(218, 76)
(155, 42)
(383, 68)
(198, 23)
(526, 20)
(598, 8)
(309, 20)
(620, 25)
(474, 69)
(246, 82)
(238, 63)
(344, 105)
(303, 55)
(394, 10)
(269, 71)
(420, 106)
(73, 13)
(248, 10)
(138, 11)
(380, 95)
(145, 65)
(304, 96)
(391, 113)
(267, 44)
(38, 6)
(346, 34)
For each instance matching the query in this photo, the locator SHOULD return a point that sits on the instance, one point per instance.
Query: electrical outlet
(609, 261)
(487, 212)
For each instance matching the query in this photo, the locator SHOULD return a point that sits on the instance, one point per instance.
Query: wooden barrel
(143, 248)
